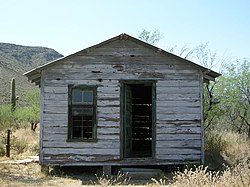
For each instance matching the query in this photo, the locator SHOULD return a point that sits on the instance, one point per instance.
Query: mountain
(17, 59)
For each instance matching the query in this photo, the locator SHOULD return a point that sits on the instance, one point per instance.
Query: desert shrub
(238, 147)
(18, 145)
(2, 149)
(215, 142)
(226, 147)
(25, 140)
(34, 148)
(107, 180)
(197, 176)
(235, 176)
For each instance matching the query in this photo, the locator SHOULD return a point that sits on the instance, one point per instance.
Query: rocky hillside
(17, 59)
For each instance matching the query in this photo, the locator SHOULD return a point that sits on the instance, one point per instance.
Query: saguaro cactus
(13, 97)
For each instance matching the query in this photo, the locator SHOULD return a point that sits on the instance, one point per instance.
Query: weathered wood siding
(178, 104)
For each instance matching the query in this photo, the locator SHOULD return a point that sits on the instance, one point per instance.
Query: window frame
(94, 118)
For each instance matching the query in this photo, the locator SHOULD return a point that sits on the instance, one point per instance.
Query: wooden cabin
(121, 102)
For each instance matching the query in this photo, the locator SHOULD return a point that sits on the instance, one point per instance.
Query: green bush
(19, 145)
(6, 117)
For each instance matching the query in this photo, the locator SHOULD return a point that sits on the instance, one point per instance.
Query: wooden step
(142, 173)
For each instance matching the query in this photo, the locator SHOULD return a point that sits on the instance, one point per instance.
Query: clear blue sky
(71, 25)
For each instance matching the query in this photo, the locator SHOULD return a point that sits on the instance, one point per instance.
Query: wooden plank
(178, 122)
(82, 151)
(108, 110)
(58, 129)
(56, 110)
(202, 120)
(56, 124)
(178, 144)
(160, 137)
(52, 116)
(56, 90)
(80, 81)
(55, 136)
(108, 131)
(56, 97)
(180, 103)
(108, 90)
(103, 123)
(180, 110)
(178, 130)
(108, 103)
(52, 159)
(175, 116)
(115, 144)
(179, 157)
(109, 115)
(108, 137)
(52, 102)
(175, 90)
(178, 83)
(178, 151)
(41, 156)
(114, 96)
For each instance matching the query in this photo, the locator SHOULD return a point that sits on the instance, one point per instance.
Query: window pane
(77, 96)
(88, 97)
(77, 132)
(77, 112)
(88, 111)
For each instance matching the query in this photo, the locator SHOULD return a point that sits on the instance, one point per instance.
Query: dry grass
(237, 176)
(226, 147)
(30, 175)
(106, 180)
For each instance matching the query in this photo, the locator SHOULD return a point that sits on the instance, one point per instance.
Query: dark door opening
(138, 120)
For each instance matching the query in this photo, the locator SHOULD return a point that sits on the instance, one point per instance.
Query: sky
(72, 25)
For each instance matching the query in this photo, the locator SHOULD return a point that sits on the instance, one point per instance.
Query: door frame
(122, 112)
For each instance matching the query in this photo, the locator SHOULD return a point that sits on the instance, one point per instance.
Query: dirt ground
(30, 175)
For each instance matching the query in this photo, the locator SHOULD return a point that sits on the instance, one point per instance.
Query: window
(82, 113)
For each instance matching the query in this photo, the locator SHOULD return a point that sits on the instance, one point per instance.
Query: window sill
(81, 140)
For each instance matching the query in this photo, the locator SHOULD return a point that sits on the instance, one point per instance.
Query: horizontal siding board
(160, 137)
(66, 158)
(171, 90)
(108, 131)
(179, 157)
(109, 110)
(104, 123)
(181, 103)
(87, 151)
(180, 110)
(108, 103)
(56, 90)
(177, 83)
(114, 144)
(174, 116)
(178, 144)
(176, 151)
(178, 130)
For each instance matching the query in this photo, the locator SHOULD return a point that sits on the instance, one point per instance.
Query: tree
(6, 117)
(31, 113)
(234, 92)
(149, 37)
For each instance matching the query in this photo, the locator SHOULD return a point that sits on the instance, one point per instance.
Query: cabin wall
(178, 104)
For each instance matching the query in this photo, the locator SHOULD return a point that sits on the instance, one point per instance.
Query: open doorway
(138, 118)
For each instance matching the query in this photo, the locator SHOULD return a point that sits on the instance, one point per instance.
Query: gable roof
(34, 75)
